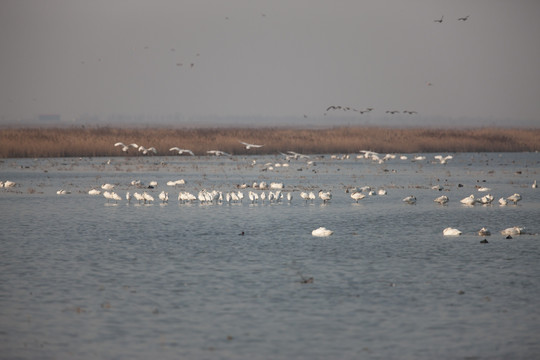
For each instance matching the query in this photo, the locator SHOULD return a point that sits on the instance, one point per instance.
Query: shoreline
(37, 142)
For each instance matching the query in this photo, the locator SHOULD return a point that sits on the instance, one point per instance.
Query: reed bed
(99, 141)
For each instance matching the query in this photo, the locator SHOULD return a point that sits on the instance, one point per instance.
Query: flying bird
(249, 146)
(217, 152)
(463, 18)
(182, 151)
(439, 20)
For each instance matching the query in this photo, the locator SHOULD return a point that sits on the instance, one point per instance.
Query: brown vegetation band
(99, 141)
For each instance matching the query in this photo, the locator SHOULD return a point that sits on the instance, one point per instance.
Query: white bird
(469, 200)
(275, 185)
(483, 189)
(249, 146)
(107, 195)
(534, 186)
(381, 192)
(94, 192)
(296, 155)
(125, 147)
(62, 192)
(514, 198)
(484, 232)
(107, 186)
(147, 197)
(138, 197)
(304, 195)
(451, 232)
(311, 196)
(146, 151)
(182, 151)
(289, 196)
(357, 195)
(513, 231)
(128, 197)
(321, 232)
(152, 184)
(487, 199)
(442, 159)
(419, 158)
(503, 202)
(164, 196)
(9, 184)
(441, 199)
(410, 200)
(218, 153)
(325, 196)
(115, 197)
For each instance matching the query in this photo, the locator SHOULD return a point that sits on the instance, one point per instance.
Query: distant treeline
(99, 141)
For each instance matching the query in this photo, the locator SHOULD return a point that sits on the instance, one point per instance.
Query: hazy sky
(274, 58)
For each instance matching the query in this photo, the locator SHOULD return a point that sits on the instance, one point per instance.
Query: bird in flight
(182, 151)
(463, 18)
(217, 152)
(249, 146)
(439, 20)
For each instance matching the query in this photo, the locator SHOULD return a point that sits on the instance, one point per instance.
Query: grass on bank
(99, 141)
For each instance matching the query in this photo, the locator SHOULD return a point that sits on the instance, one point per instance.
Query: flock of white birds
(275, 191)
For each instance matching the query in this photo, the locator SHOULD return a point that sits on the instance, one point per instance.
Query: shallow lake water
(84, 278)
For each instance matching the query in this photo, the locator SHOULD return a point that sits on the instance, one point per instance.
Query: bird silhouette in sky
(439, 20)
(463, 18)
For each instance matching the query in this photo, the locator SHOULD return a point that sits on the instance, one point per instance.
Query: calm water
(81, 278)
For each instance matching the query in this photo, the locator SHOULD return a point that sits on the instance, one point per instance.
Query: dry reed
(98, 141)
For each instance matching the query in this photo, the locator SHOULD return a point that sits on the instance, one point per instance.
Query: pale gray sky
(264, 59)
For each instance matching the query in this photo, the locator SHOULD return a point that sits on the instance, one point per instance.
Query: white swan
(182, 151)
(249, 146)
(9, 184)
(487, 199)
(63, 192)
(513, 231)
(321, 232)
(289, 196)
(94, 192)
(451, 232)
(503, 202)
(483, 188)
(357, 195)
(410, 200)
(534, 186)
(381, 192)
(107, 186)
(311, 196)
(514, 198)
(441, 199)
(275, 185)
(469, 200)
(128, 197)
(304, 195)
(484, 232)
